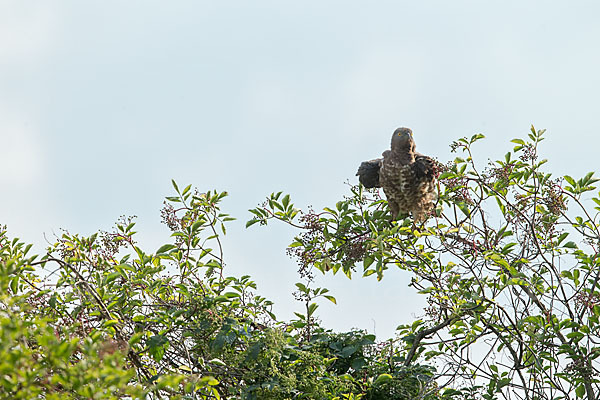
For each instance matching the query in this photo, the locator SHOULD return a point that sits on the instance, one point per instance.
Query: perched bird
(407, 177)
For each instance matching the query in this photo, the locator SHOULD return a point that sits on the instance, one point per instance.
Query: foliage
(99, 317)
(36, 360)
(508, 260)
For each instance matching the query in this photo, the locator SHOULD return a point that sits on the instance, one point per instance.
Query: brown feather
(407, 178)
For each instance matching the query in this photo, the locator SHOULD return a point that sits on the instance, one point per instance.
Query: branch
(427, 332)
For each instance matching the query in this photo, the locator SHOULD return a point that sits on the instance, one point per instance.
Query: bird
(407, 177)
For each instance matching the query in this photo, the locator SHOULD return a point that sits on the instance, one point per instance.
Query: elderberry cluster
(502, 174)
(587, 300)
(169, 217)
(529, 153)
(458, 186)
(305, 255)
(553, 198)
(113, 241)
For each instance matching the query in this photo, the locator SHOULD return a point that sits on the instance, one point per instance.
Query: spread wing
(424, 167)
(368, 173)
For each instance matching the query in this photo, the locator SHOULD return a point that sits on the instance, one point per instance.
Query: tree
(509, 262)
(98, 317)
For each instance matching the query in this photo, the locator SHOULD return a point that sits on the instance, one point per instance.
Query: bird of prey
(407, 177)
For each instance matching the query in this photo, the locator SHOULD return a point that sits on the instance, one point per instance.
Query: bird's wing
(368, 173)
(424, 167)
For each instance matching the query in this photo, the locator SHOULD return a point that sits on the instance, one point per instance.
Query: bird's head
(402, 140)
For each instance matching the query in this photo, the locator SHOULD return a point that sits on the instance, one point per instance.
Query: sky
(102, 103)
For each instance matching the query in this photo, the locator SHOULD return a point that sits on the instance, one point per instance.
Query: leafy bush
(98, 317)
(508, 261)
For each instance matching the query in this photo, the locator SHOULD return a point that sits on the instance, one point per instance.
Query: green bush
(508, 262)
(98, 317)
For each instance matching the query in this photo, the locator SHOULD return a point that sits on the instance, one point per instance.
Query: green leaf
(156, 346)
(464, 208)
(111, 277)
(253, 351)
(14, 284)
(285, 201)
(451, 392)
(221, 299)
(196, 225)
(368, 260)
(110, 322)
(185, 368)
(302, 287)
(576, 336)
(331, 298)
(164, 248)
(567, 274)
(562, 237)
(580, 391)
(447, 174)
(52, 301)
(136, 337)
(382, 379)
(209, 380)
(347, 351)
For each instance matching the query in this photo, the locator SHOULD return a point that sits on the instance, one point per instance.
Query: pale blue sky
(103, 102)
